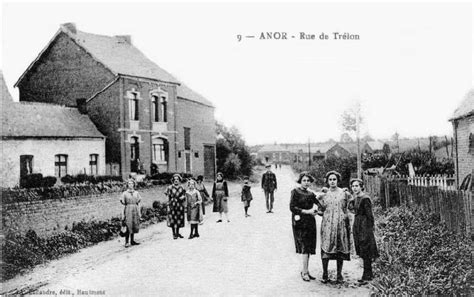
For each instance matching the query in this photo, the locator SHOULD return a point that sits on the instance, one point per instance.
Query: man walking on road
(269, 185)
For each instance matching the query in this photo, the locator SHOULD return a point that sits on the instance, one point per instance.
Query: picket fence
(437, 195)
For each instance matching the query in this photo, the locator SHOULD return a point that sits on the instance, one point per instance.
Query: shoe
(127, 245)
(196, 235)
(270, 211)
(191, 237)
(219, 221)
(180, 236)
(305, 277)
(249, 215)
(362, 281)
(339, 279)
(325, 278)
(135, 243)
(311, 277)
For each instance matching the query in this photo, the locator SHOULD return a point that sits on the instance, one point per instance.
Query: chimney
(71, 27)
(81, 105)
(124, 39)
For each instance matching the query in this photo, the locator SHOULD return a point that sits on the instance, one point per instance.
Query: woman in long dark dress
(363, 228)
(131, 213)
(176, 200)
(335, 227)
(220, 194)
(302, 206)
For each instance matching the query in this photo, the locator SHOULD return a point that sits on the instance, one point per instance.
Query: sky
(410, 68)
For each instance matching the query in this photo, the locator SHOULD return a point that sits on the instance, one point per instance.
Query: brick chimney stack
(71, 27)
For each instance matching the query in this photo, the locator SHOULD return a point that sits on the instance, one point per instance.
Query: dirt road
(248, 256)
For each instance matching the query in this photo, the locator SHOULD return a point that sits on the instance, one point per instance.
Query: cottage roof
(376, 145)
(27, 119)
(185, 92)
(6, 96)
(273, 148)
(466, 108)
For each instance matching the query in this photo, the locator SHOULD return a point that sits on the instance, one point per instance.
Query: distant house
(274, 154)
(152, 121)
(463, 126)
(48, 139)
(376, 146)
(302, 152)
(347, 149)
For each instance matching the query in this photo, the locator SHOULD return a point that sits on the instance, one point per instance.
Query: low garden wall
(49, 216)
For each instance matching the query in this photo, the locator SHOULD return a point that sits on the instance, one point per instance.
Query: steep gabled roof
(466, 108)
(26, 119)
(185, 92)
(6, 96)
(115, 53)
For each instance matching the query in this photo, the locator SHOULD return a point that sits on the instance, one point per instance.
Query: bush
(49, 181)
(68, 179)
(345, 166)
(165, 177)
(420, 256)
(34, 180)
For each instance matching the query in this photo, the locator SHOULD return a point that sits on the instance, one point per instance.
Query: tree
(351, 120)
(367, 138)
(345, 137)
(233, 155)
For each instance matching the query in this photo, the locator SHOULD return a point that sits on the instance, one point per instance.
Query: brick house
(152, 121)
(274, 153)
(463, 126)
(48, 139)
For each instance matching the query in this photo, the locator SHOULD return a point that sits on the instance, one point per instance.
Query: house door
(187, 160)
(209, 162)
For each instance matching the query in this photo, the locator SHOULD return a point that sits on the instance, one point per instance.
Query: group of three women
(333, 205)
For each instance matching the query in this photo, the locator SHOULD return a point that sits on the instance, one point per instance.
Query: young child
(194, 214)
(246, 195)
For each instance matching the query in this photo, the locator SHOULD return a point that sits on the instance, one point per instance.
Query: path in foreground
(248, 256)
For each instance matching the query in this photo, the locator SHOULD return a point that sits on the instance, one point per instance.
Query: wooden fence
(453, 206)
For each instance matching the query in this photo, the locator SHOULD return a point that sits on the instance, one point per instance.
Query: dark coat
(363, 229)
(269, 181)
(246, 194)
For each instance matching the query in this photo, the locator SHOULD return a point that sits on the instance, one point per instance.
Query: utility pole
(309, 153)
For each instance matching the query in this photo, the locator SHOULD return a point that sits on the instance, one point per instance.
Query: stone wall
(50, 216)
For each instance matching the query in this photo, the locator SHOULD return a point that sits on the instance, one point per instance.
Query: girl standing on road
(131, 212)
(363, 229)
(302, 206)
(246, 195)
(193, 202)
(204, 194)
(176, 200)
(220, 194)
(335, 229)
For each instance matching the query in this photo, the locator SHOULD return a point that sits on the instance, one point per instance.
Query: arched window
(164, 106)
(159, 150)
(133, 106)
(155, 108)
(134, 154)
